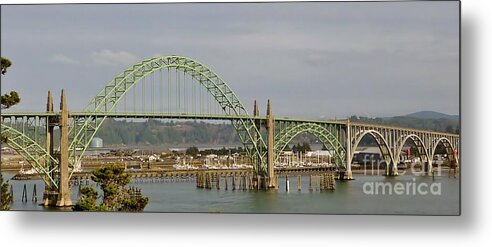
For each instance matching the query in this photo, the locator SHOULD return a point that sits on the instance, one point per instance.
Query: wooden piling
(34, 197)
(209, 181)
(287, 186)
(79, 192)
(244, 183)
(11, 191)
(310, 182)
(24, 194)
(299, 183)
(218, 181)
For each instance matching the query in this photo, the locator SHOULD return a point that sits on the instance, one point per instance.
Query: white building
(324, 153)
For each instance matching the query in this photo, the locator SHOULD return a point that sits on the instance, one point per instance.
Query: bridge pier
(391, 169)
(64, 199)
(270, 180)
(50, 197)
(428, 169)
(348, 154)
(349, 175)
(50, 194)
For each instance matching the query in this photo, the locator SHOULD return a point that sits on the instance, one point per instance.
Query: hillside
(420, 120)
(431, 115)
(155, 132)
(188, 133)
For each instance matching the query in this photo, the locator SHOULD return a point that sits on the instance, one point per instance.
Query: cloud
(335, 59)
(60, 58)
(108, 57)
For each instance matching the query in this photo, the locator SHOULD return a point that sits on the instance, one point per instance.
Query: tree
(6, 197)
(306, 147)
(116, 196)
(449, 129)
(7, 100)
(301, 148)
(192, 151)
(88, 200)
(295, 148)
(6, 63)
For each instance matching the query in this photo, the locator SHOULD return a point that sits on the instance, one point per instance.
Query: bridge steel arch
(418, 142)
(329, 140)
(383, 144)
(106, 100)
(34, 154)
(450, 144)
(391, 140)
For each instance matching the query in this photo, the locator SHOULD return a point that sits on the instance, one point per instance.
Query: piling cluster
(34, 196)
(214, 180)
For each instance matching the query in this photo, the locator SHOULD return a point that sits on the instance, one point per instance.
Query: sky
(313, 60)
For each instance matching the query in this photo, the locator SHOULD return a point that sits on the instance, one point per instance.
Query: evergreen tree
(116, 196)
(6, 197)
(193, 151)
(306, 147)
(7, 101)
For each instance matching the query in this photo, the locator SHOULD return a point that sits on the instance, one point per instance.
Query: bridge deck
(131, 115)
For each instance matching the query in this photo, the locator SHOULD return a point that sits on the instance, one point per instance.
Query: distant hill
(427, 120)
(155, 132)
(432, 115)
(188, 133)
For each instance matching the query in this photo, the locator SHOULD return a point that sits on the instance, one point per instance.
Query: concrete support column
(428, 168)
(456, 158)
(395, 168)
(270, 151)
(64, 199)
(391, 168)
(348, 151)
(50, 194)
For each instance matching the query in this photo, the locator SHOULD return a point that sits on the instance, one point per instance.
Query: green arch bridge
(176, 87)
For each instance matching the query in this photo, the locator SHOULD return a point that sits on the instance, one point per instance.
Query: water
(348, 198)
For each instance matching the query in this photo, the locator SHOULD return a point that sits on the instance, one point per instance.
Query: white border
(472, 228)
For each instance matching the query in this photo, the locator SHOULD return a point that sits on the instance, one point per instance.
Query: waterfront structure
(187, 89)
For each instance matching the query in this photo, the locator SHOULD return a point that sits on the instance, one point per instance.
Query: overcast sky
(311, 59)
